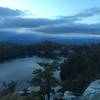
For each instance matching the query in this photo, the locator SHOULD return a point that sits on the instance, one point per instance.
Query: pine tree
(43, 78)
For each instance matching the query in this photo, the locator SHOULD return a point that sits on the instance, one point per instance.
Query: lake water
(19, 70)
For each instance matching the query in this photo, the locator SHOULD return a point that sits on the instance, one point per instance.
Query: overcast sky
(55, 18)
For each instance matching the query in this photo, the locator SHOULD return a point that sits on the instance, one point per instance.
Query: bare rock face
(93, 91)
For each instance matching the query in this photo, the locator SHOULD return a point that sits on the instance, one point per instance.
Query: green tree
(43, 78)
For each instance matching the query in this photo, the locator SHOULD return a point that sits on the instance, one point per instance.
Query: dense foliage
(44, 79)
(12, 51)
(81, 68)
(81, 65)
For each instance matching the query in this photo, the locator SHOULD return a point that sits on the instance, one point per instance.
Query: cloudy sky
(49, 18)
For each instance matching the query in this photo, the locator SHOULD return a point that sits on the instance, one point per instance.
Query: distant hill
(33, 38)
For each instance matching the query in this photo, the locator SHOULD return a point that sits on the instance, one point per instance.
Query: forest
(81, 64)
(44, 49)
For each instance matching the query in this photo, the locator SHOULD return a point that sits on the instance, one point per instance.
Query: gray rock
(93, 91)
(68, 95)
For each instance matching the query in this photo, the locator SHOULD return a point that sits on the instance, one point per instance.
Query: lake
(19, 70)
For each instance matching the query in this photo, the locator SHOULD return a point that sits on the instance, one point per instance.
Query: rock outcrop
(93, 91)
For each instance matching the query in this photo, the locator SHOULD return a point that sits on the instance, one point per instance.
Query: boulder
(68, 95)
(93, 91)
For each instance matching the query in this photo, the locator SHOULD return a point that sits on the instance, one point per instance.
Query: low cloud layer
(14, 20)
(72, 28)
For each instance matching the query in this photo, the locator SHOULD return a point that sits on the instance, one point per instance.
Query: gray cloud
(64, 24)
(84, 14)
(89, 12)
(28, 22)
(69, 25)
(7, 12)
(72, 28)
(9, 36)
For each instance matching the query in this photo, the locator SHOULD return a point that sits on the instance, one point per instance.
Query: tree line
(44, 49)
(81, 68)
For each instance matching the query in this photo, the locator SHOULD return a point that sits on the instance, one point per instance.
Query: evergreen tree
(43, 78)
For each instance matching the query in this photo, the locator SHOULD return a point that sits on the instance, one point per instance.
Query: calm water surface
(19, 70)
